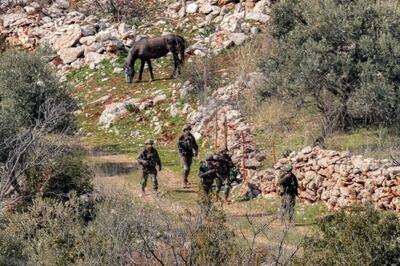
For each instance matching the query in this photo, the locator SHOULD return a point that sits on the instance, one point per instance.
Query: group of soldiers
(216, 170)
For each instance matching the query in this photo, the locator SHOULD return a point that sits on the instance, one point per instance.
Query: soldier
(207, 173)
(188, 148)
(149, 159)
(289, 190)
(225, 166)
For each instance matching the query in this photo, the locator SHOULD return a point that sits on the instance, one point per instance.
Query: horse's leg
(151, 70)
(176, 65)
(141, 69)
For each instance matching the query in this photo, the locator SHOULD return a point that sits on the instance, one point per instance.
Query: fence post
(225, 131)
(244, 171)
(216, 130)
(273, 153)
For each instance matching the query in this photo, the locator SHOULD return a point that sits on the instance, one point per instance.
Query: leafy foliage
(361, 237)
(26, 84)
(344, 54)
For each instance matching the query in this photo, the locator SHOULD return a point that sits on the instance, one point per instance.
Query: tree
(343, 54)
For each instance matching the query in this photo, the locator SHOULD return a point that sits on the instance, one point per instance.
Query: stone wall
(224, 102)
(338, 179)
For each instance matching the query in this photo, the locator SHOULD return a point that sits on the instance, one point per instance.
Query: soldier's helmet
(187, 127)
(149, 142)
(288, 168)
(209, 157)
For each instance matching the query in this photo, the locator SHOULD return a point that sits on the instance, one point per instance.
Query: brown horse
(157, 47)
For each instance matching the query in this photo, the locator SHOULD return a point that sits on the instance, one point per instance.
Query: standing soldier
(225, 165)
(149, 159)
(289, 190)
(188, 148)
(207, 173)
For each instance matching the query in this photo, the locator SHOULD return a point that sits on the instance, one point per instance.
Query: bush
(201, 73)
(361, 237)
(344, 54)
(28, 89)
(118, 10)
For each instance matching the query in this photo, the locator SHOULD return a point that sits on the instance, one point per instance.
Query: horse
(150, 48)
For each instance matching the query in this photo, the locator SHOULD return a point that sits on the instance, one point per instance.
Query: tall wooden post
(225, 132)
(273, 153)
(244, 171)
(216, 130)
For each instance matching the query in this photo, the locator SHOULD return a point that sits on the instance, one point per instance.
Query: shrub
(28, 89)
(118, 10)
(201, 73)
(362, 236)
(344, 54)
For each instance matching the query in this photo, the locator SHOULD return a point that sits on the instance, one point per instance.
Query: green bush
(28, 89)
(362, 236)
(344, 54)
(60, 177)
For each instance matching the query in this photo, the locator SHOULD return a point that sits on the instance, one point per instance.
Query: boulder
(69, 38)
(94, 58)
(238, 38)
(69, 55)
(159, 99)
(192, 8)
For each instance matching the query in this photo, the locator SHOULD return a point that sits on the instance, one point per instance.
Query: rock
(94, 58)
(257, 17)
(89, 40)
(192, 8)
(64, 4)
(101, 100)
(113, 45)
(12, 18)
(238, 38)
(118, 70)
(186, 89)
(88, 30)
(159, 99)
(30, 10)
(69, 55)
(252, 164)
(69, 38)
(206, 9)
(113, 111)
(174, 111)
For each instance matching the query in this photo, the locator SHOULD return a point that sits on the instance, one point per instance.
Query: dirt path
(120, 172)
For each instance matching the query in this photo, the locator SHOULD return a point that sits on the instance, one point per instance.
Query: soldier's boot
(227, 201)
(217, 198)
(143, 193)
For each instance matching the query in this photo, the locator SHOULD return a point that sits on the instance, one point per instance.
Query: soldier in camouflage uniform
(187, 148)
(149, 159)
(288, 191)
(225, 166)
(207, 173)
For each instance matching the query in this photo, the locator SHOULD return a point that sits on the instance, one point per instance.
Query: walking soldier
(188, 148)
(149, 159)
(288, 191)
(225, 165)
(207, 173)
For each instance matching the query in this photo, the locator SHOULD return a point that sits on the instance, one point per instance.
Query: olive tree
(343, 54)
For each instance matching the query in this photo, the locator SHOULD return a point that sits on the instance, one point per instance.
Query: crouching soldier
(207, 174)
(187, 148)
(149, 159)
(288, 191)
(225, 165)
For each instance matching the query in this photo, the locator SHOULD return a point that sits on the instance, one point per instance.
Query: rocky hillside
(89, 51)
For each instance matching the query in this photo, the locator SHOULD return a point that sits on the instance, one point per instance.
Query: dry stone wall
(338, 179)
